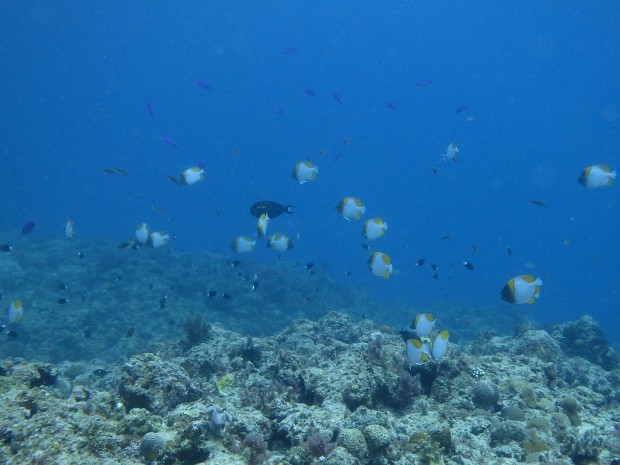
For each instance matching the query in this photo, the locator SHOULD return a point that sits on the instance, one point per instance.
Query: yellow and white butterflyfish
(279, 242)
(158, 239)
(16, 311)
(440, 345)
(380, 264)
(142, 233)
(416, 352)
(69, 229)
(597, 176)
(351, 208)
(192, 175)
(523, 289)
(305, 171)
(451, 152)
(263, 223)
(243, 244)
(374, 228)
(423, 324)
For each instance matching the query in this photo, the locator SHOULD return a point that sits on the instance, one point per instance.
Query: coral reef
(333, 391)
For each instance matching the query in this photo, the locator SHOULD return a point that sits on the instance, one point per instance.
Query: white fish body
(158, 239)
(279, 242)
(305, 171)
(597, 176)
(142, 233)
(69, 229)
(440, 345)
(351, 208)
(192, 175)
(263, 223)
(380, 264)
(416, 352)
(424, 323)
(243, 244)
(374, 228)
(451, 152)
(16, 311)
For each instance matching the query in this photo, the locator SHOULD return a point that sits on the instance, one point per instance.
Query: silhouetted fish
(28, 227)
(149, 108)
(310, 92)
(423, 83)
(204, 85)
(272, 209)
(168, 140)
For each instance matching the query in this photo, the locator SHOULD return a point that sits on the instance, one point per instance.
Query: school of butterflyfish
(424, 343)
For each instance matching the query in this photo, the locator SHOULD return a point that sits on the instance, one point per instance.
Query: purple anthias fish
(204, 85)
(168, 140)
(462, 108)
(310, 92)
(28, 227)
(289, 51)
(391, 105)
(423, 82)
(336, 96)
(149, 108)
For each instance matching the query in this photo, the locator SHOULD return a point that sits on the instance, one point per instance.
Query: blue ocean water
(539, 81)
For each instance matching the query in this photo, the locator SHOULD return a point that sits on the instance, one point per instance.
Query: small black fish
(162, 301)
(2, 328)
(254, 285)
(80, 254)
(131, 331)
(63, 286)
(309, 265)
(348, 273)
(5, 248)
(88, 333)
(509, 250)
(118, 278)
(537, 203)
(446, 237)
(226, 296)
(212, 293)
(150, 286)
(28, 227)
(272, 209)
(115, 170)
(420, 262)
(435, 276)
(434, 267)
(175, 181)
(366, 247)
(233, 263)
(135, 246)
(84, 297)
(468, 265)
(124, 245)
(100, 372)
(12, 333)
(62, 301)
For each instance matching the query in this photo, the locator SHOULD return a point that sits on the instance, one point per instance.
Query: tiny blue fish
(391, 105)
(280, 111)
(423, 83)
(204, 85)
(168, 140)
(288, 51)
(28, 227)
(462, 108)
(337, 97)
(310, 92)
(149, 108)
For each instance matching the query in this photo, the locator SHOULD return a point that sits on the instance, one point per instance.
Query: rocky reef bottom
(333, 391)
